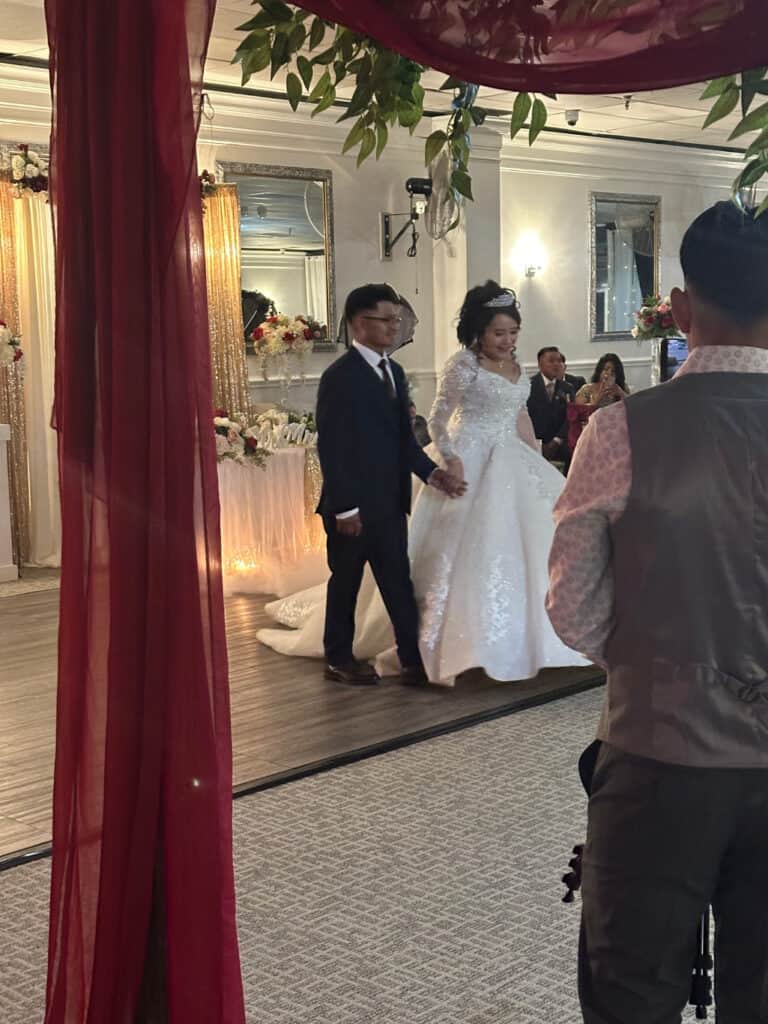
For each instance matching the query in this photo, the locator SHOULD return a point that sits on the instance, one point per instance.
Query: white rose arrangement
(29, 170)
(235, 442)
(284, 338)
(254, 444)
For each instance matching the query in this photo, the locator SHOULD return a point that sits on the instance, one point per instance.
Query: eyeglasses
(396, 320)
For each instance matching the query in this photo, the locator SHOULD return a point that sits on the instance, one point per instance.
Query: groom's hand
(351, 526)
(448, 484)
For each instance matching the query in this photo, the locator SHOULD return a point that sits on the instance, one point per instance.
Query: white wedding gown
(479, 562)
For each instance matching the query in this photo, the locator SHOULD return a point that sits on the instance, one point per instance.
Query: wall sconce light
(529, 256)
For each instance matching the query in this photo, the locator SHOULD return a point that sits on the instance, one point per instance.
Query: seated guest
(569, 378)
(419, 425)
(547, 404)
(608, 386)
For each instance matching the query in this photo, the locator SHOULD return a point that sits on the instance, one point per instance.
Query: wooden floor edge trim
(20, 858)
(411, 738)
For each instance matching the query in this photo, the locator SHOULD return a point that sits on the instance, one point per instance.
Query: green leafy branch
(728, 92)
(320, 55)
(387, 92)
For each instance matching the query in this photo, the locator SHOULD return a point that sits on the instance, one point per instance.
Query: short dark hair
(611, 357)
(475, 315)
(724, 256)
(368, 296)
(547, 348)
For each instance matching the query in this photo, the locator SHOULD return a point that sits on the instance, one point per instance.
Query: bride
(478, 563)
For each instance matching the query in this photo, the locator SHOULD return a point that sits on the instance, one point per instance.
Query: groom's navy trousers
(383, 544)
(367, 455)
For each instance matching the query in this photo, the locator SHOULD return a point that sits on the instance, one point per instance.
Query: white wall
(545, 192)
(543, 189)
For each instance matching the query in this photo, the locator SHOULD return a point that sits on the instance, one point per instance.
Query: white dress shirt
(373, 359)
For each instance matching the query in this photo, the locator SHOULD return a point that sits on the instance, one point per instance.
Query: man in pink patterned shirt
(659, 572)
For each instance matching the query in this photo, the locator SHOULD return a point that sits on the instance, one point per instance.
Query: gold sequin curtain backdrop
(313, 485)
(225, 312)
(12, 383)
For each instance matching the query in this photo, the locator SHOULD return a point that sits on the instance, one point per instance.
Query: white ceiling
(674, 115)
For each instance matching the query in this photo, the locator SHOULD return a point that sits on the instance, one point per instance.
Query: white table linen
(269, 543)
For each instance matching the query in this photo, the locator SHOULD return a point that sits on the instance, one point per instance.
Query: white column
(8, 570)
(483, 216)
(472, 253)
(449, 286)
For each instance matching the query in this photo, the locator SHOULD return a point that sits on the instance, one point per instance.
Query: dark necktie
(389, 387)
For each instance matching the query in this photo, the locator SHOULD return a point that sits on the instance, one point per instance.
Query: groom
(367, 455)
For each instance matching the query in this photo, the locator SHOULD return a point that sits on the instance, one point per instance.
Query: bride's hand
(455, 468)
(443, 481)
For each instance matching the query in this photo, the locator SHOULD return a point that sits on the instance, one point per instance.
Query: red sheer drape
(569, 46)
(142, 903)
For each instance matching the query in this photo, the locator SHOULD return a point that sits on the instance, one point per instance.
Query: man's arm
(580, 598)
(564, 394)
(336, 447)
(419, 461)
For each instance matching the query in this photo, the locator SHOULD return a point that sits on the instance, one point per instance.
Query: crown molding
(246, 121)
(604, 158)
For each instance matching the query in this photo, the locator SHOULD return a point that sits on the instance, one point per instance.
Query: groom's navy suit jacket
(365, 441)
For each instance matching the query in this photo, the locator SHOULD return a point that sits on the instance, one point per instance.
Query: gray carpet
(419, 887)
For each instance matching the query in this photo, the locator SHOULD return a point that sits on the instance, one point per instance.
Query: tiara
(505, 299)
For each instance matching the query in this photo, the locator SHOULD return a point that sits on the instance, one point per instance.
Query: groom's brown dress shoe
(352, 673)
(414, 675)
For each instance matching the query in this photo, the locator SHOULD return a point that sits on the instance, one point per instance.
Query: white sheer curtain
(317, 293)
(626, 295)
(35, 271)
(267, 546)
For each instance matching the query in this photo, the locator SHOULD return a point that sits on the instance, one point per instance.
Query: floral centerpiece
(655, 320)
(29, 171)
(10, 346)
(318, 331)
(236, 441)
(283, 338)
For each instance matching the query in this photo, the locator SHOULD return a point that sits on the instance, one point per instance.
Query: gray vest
(688, 654)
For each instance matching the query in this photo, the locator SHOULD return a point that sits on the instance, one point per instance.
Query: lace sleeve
(457, 375)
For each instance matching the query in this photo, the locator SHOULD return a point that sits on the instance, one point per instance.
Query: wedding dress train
(479, 563)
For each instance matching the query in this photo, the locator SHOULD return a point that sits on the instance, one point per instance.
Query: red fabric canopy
(559, 46)
(142, 900)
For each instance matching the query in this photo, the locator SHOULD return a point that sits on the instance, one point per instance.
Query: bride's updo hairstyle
(481, 305)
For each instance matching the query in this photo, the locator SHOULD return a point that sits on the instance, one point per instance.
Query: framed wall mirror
(624, 235)
(286, 246)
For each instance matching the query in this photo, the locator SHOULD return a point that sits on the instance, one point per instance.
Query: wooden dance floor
(287, 720)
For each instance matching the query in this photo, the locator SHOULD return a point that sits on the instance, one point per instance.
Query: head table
(271, 539)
